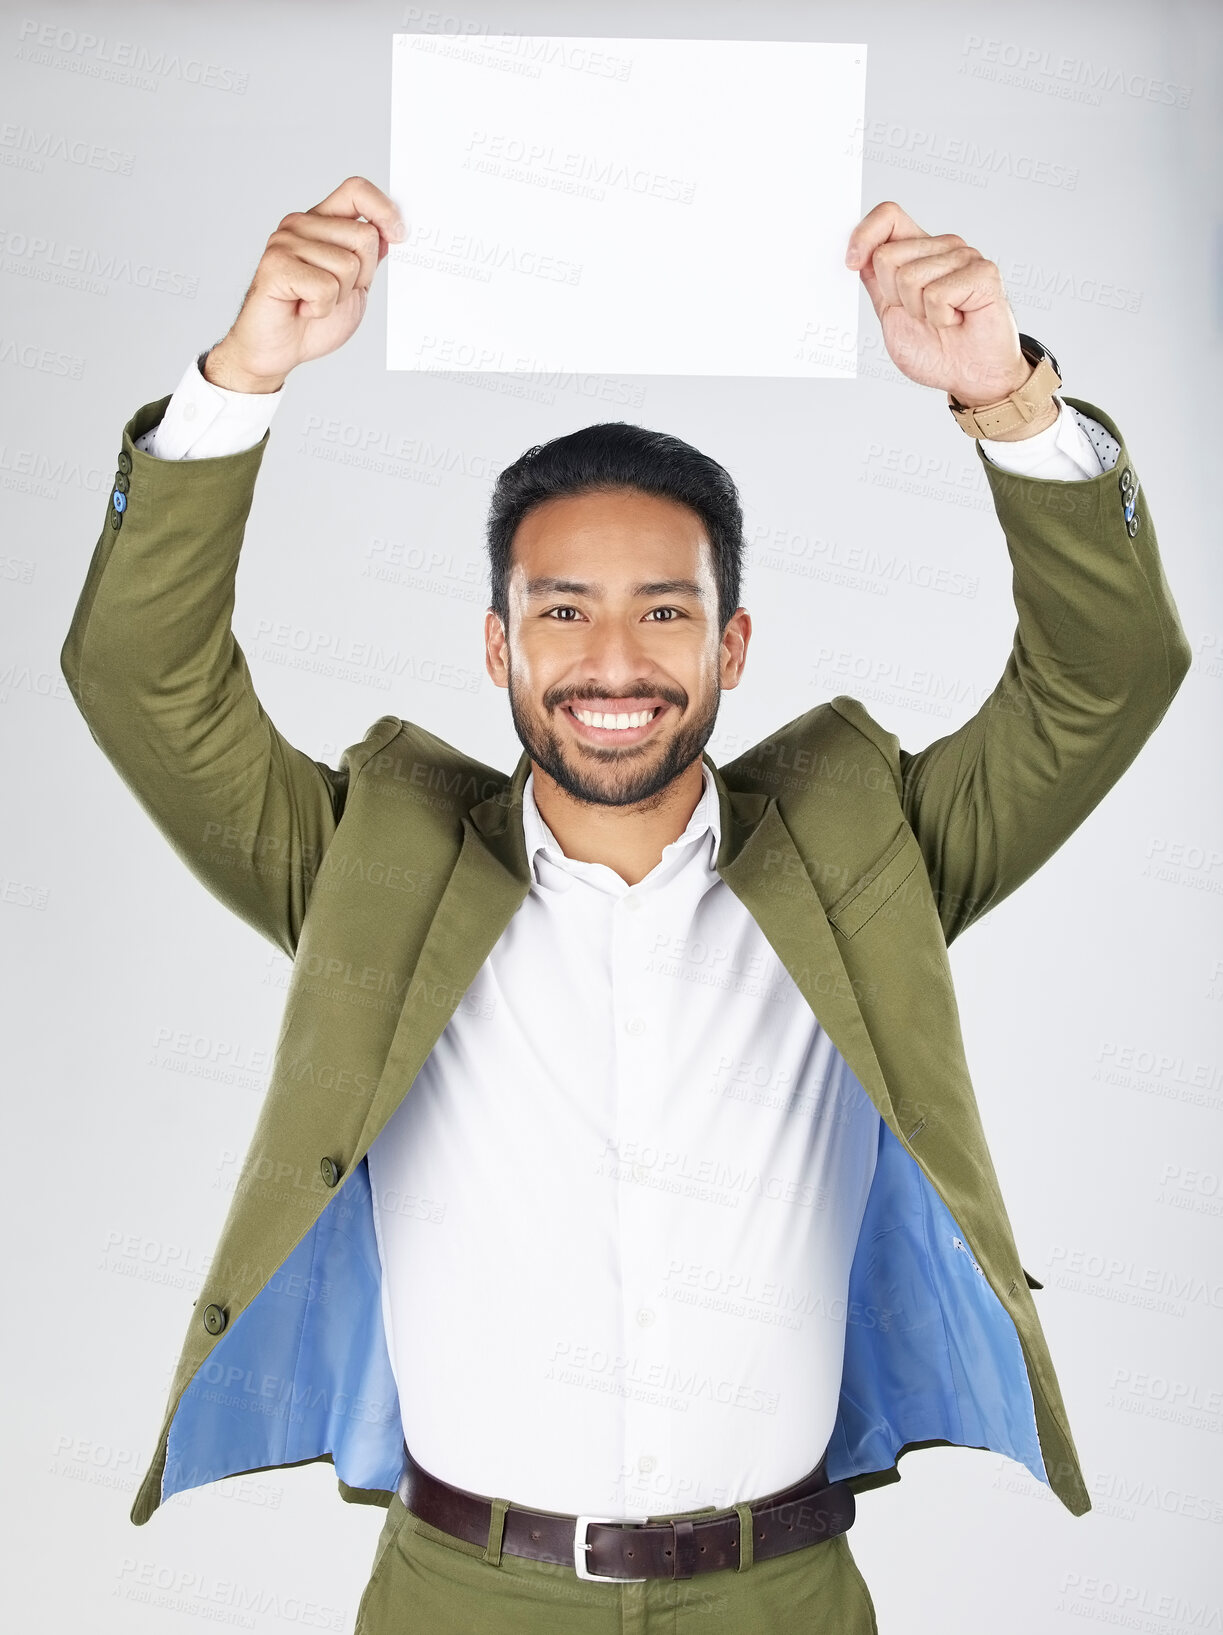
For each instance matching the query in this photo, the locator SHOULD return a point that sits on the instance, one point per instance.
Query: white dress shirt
(651, 1165)
(617, 1210)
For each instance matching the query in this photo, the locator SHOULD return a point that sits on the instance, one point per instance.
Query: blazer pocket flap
(886, 875)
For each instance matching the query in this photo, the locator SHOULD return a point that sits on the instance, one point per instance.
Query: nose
(614, 656)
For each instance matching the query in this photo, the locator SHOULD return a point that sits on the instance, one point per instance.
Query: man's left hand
(945, 317)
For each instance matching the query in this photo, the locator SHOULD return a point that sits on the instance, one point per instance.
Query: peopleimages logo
(1075, 79)
(26, 147)
(955, 158)
(1033, 285)
(80, 266)
(126, 62)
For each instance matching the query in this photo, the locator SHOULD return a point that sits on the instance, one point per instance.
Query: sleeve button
(214, 1319)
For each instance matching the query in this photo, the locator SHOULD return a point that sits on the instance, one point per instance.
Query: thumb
(871, 284)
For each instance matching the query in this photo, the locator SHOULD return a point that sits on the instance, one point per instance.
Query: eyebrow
(549, 586)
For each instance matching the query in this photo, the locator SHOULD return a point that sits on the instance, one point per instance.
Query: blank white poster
(624, 206)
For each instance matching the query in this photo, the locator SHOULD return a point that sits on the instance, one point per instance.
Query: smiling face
(614, 661)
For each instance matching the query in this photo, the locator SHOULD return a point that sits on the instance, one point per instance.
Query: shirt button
(645, 1317)
(631, 904)
(189, 411)
(635, 1025)
(647, 1462)
(640, 1172)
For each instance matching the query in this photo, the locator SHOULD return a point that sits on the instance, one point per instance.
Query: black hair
(616, 455)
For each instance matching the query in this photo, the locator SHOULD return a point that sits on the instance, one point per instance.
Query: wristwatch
(1018, 408)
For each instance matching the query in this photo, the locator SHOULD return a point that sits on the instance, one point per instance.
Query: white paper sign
(631, 207)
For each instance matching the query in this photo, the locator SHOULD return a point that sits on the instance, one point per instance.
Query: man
(688, 1227)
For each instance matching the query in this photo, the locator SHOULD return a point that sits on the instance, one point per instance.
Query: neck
(629, 839)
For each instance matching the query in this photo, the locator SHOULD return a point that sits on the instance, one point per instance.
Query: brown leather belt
(598, 1547)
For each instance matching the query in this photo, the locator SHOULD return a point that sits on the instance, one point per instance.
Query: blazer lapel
(489, 881)
(760, 863)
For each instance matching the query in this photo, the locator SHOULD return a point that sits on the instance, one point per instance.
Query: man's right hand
(309, 290)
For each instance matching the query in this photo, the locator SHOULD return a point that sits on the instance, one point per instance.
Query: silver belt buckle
(581, 1545)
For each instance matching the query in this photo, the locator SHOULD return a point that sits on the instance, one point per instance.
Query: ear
(496, 649)
(732, 655)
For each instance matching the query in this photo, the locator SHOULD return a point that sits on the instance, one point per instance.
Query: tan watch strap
(1017, 409)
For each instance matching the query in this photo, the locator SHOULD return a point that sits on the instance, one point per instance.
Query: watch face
(1034, 352)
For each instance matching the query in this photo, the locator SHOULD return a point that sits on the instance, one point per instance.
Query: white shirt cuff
(202, 420)
(1074, 447)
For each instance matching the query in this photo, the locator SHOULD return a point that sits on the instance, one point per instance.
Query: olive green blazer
(389, 878)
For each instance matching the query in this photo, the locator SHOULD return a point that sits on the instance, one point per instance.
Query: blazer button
(214, 1319)
(116, 519)
(329, 1170)
(124, 461)
(122, 481)
(119, 501)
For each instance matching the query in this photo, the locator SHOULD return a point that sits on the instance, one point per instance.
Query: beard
(603, 775)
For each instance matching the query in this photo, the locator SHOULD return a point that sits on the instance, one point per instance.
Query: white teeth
(595, 718)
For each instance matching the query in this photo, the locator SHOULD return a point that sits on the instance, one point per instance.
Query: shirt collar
(705, 820)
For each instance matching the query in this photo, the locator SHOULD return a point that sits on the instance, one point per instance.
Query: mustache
(578, 695)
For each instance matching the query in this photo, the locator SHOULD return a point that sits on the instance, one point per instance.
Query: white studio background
(1078, 146)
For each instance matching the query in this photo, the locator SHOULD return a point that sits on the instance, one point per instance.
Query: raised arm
(1098, 651)
(150, 655)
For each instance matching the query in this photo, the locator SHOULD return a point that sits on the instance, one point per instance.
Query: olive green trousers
(425, 1582)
